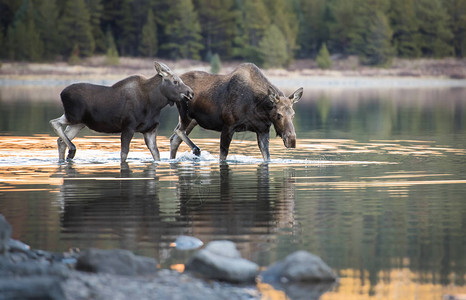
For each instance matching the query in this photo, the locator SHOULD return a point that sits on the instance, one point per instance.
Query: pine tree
(313, 26)
(285, 18)
(112, 57)
(126, 29)
(75, 28)
(95, 8)
(47, 25)
(217, 20)
(434, 37)
(256, 21)
(323, 58)
(378, 49)
(404, 24)
(215, 64)
(24, 42)
(148, 46)
(457, 11)
(344, 25)
(273, 48)
(184, 31)
(163, 16)
(240, 42)
(371, 36)
(2, 42)
(74, 58)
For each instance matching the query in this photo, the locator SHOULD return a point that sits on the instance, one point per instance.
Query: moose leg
(225, 141)
(126, 137)
(57, 126)
(71, 132)
(263, 142)
(175, 142)
(151, 142)
(181, 135)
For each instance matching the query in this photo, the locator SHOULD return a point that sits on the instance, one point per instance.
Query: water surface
(375, 187)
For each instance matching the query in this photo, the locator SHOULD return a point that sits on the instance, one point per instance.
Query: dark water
(376, 188)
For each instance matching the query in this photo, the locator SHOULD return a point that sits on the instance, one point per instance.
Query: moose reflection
(243, 100)
(263, 207)
(130, 208)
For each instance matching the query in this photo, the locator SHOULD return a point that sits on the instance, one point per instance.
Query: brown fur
(130, 105)
(243, 100)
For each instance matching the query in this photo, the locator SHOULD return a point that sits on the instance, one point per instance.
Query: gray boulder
(18, 246)
(33, 287)
(220, 260)
(31, 268)
(117, 261)
(223, 248)
(184, 242)
(297, 267)
(5, 235)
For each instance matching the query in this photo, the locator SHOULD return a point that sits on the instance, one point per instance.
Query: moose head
(172, 87)
(282, 115)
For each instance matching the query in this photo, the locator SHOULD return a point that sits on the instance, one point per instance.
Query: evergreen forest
(270, 33)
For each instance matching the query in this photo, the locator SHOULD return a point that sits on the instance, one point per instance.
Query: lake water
(376, 187)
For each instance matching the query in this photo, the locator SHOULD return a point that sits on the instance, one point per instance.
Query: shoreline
(96, 68)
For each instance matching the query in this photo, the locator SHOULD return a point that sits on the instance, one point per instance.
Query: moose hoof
(71, 154)
(197, 151)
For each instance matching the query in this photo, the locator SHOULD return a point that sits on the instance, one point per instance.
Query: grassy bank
(95, 67)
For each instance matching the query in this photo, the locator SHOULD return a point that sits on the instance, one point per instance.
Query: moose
(130, 105)
(243, 100)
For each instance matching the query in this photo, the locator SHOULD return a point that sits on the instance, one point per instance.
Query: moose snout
(289, 141)
(189, 95)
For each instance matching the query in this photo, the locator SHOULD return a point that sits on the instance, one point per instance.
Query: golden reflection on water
(396, 284)
(33, 161)
(44, 146)
(268, 292)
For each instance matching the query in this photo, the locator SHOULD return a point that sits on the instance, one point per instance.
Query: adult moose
(130, 105)
(243, 100)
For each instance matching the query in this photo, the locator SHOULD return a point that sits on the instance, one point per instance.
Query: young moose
(130, 105)
(243, 100)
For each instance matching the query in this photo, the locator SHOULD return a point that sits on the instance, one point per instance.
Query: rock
(31, 268)
(5, 235)
(165, 284)
(117, 261)
(299, 266)
(16, 245)
(34, 287)
(223, 248)
(184, 242)
(221, 260)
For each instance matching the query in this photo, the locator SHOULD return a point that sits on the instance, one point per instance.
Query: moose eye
(175, 82)
(279, 116)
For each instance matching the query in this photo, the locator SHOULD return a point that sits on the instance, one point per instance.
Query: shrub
(74, 57)
(323, 58)
(215, 64)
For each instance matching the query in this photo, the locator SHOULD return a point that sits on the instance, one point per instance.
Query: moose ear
(296, 95)
(161, 69)
(273, 95)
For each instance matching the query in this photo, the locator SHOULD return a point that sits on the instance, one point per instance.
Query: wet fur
(130, 105)
(235, 102)
(132, 102)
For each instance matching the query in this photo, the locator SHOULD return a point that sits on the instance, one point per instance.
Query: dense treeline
(268, 32)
